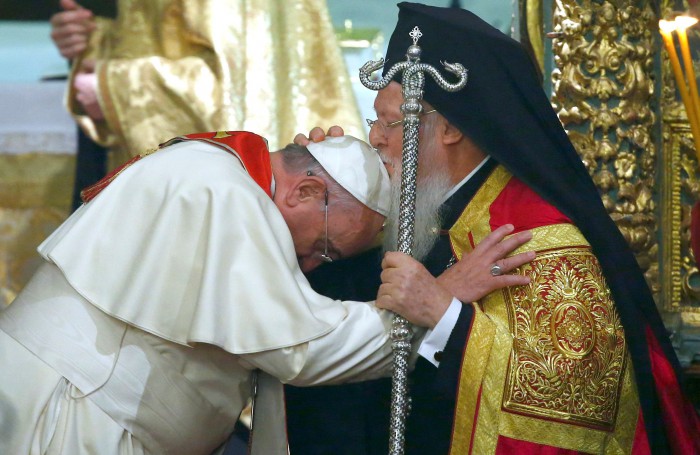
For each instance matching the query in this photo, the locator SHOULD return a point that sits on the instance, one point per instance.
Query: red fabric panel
(509, 446)
(679, 417)
(519, 205)
(251, 148)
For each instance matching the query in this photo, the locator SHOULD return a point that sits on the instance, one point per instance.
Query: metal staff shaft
(401, 332)
(412, 88)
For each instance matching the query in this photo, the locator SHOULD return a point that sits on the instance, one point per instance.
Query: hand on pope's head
(317, 135)
(470, 279)
(71, 29)
(411, 291)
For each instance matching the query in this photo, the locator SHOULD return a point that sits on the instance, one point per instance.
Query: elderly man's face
(386, 135)
(349, 233)
(434, 179)
(388, 140)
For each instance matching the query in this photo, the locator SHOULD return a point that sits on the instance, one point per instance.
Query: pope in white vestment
(156, 302)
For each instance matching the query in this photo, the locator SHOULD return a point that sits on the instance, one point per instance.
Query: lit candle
(665, 28)
(682, 23)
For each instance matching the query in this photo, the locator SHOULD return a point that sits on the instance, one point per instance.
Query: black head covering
(504, 110)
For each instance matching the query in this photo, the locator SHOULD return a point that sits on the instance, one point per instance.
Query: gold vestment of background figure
(168, 68)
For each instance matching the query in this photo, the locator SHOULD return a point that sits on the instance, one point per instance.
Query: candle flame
(688, 90)
(667, 26)
(683, 22)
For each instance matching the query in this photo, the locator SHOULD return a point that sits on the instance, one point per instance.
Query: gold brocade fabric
(167, 68)
(35, 190)
(553, 367)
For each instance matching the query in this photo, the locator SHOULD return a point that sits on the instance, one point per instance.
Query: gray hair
(297, 159)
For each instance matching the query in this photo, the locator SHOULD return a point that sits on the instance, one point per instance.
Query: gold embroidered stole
(547, 362)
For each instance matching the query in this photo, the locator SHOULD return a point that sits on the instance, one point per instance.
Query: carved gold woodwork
(680, 187)
(603, 93)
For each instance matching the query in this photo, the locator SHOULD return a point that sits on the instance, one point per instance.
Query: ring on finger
(496, 270)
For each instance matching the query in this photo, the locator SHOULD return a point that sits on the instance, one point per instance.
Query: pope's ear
(307, 189)
(450, 134)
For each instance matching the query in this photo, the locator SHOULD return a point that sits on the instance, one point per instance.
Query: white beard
(432, 186)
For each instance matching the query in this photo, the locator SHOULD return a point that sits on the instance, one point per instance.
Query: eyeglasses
(324, 256)
(384, 127)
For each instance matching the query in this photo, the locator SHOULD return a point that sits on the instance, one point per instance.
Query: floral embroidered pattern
(568, 349)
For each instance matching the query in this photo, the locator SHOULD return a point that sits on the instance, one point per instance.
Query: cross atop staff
(413, 81)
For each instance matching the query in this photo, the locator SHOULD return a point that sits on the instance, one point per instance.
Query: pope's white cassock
(156, 302)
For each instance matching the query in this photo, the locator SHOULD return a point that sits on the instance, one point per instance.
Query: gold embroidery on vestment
(477, 350)
(474, 221)
(569, 348)
(557, 371)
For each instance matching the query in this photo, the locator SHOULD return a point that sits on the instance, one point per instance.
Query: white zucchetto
(357, 167)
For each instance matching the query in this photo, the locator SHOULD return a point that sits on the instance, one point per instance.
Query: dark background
(27, 10)
(41, 10)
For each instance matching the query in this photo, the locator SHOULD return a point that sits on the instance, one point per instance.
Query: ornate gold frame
(680, 278)
(653, 211)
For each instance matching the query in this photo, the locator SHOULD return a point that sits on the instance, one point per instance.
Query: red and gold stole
(545, 365)
(250, 149)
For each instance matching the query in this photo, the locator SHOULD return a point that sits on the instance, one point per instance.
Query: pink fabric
(509, 446)
(640, 446)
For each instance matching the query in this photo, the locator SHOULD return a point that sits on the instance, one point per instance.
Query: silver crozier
(412, 84)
